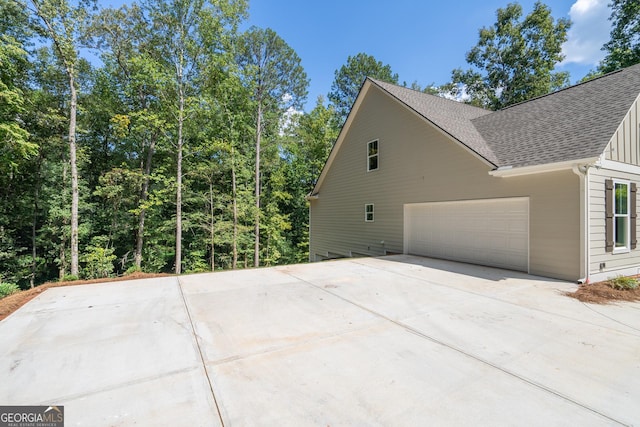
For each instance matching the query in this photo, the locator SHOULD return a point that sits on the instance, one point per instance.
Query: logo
(31, 416)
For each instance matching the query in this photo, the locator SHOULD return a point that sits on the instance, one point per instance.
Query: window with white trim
(621, 217)
(368, 213)
(372, 155)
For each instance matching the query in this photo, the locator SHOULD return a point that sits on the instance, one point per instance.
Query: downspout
(583, 172)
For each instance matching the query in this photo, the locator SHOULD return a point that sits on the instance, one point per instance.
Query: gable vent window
(372, 155)
(368, 213)
(620, 226)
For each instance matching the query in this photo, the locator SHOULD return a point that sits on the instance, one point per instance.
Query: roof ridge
(378, 82)
(581, 83)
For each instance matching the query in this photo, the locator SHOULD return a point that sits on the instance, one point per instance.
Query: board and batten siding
(597, 253)
(623, 146)
(417, 164)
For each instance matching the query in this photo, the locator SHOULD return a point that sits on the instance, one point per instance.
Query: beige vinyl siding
(597, 253)
(418, 163)
(624, 146)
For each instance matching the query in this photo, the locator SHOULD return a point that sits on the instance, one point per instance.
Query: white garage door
(491, 232)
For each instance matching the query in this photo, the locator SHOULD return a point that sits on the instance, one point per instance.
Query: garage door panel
(491, 232)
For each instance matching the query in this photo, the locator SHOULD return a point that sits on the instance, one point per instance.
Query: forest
(185, 148)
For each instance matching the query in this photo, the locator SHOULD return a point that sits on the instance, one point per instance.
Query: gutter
(508, 171)
(311, 196)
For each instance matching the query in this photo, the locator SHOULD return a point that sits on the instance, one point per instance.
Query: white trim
(342, 135)
(583, 174)
(373, 214)
(405, 230)
(587, 229)
(582, 178)
(508, 171)
(618, 129)
(618, 166)
(377, 155)
(627, 248)
(610, 274)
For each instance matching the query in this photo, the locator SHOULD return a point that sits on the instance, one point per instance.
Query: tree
(514, 59)
(15, 143)
(350, 77)
(311, 139)
(62, 23)
(274, 72)
(623, 49)
(186, 33)
(123, 39)
(431, 89)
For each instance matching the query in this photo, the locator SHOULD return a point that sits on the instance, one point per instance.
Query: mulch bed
(13, 302)
(603, 293)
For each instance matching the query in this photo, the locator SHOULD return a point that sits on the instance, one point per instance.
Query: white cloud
(288, 119)
(590, 30)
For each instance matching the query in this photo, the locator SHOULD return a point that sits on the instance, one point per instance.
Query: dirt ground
(13, 302)
(604, 293)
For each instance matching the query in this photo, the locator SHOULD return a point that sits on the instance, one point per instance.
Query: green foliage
(98, 259)
(7, 289)
(128, 128)
(350, 77)
(132, 269)
(14, 138)
(623, 48)
(513, 60)
(70, 278)
(272, 69)
(624, 282)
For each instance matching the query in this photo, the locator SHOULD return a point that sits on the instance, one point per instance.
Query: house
(547, 186)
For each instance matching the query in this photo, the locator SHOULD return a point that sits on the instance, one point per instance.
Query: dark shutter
(632, 203)
(608, 209)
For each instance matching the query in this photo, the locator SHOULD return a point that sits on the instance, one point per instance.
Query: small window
(368, 213)
(372, 155)
(621, 216)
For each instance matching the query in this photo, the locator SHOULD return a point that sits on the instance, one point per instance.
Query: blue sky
(421, 40)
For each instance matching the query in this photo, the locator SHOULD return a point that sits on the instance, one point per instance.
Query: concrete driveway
(392, 341)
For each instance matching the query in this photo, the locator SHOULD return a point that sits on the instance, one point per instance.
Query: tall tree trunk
(74, 173)
(256, 249)
(234, 245)
(143, 199)
(179, 180)
(34, 252)
(63, 239)
(34, 220)
(212, 227)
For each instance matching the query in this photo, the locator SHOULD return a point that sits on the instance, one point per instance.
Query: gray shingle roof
(571, 124)
(451, 116)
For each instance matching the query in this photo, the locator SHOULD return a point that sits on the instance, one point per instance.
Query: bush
(70, 278)
(98, 262)
(132, 269)
(7, 289)
(624, 282)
